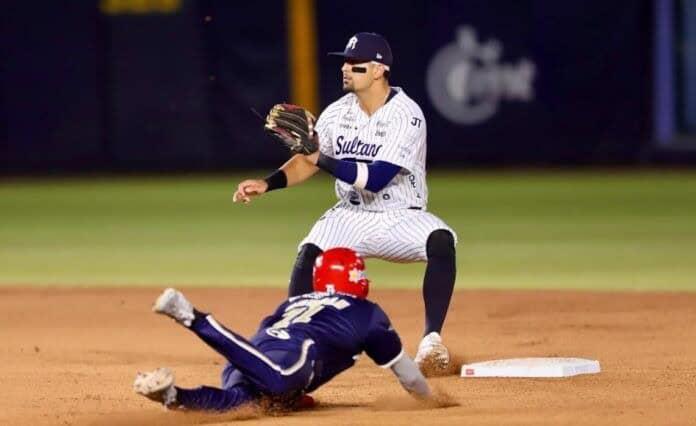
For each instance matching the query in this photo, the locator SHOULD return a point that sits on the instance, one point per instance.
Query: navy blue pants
(251, 372)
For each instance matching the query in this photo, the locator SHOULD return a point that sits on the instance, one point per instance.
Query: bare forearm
(298, 169)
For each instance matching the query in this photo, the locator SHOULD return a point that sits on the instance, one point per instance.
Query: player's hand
(248, 189)
(313, 158)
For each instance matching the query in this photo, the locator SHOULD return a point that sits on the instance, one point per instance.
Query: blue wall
(500, 82)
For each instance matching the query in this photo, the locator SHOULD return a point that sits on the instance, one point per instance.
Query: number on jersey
(302, 312)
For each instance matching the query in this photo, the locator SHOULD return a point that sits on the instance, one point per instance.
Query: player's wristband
(277, 180)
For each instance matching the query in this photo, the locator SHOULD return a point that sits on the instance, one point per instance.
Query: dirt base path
(69, 357)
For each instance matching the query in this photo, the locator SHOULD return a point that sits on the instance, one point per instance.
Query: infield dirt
(69, 357)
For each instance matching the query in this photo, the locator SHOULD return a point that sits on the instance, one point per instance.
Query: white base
(531, 367)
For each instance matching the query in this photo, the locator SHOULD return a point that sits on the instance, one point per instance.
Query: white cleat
(175, 305)
(157, 385)
(432, 354)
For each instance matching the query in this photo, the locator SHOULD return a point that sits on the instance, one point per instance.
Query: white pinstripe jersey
(396, 133)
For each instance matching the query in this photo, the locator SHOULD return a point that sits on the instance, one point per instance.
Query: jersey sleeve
(405, 135)
(382, 344)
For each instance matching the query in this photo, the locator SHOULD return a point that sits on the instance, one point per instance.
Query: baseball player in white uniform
(373, 140)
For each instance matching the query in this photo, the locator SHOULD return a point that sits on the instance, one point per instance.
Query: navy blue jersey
(341, 326)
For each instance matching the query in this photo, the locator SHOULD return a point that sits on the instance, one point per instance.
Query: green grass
(586, 230)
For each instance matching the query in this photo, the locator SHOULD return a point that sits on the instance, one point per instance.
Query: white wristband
(362, 175)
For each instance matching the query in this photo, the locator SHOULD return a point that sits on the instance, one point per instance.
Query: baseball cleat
(156, 385)
(175, 305)
(432, 355)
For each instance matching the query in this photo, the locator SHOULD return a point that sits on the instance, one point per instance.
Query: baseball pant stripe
(263, 368)
(255, 352)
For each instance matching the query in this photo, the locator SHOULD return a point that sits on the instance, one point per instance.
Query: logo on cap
(367, 46)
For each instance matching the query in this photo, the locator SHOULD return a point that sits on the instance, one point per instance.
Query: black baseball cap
(367, 46)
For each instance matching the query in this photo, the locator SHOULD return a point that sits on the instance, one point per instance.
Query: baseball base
(531, 367)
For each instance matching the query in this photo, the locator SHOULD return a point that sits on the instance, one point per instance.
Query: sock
(438, 283)
(301, 278)
(213, 399)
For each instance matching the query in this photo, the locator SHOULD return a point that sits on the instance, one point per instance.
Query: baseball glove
(294, 127)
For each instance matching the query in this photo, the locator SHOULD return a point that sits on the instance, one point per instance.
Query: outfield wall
(168, 84)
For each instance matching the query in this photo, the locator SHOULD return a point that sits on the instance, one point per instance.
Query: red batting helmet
(341, 270)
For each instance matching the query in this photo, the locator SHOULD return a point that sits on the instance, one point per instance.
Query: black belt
(415, 208)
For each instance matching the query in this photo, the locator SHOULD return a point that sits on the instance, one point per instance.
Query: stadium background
(126, 125)
(146, 85)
